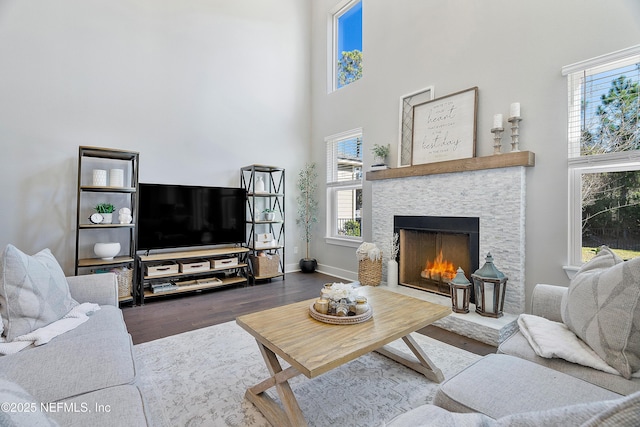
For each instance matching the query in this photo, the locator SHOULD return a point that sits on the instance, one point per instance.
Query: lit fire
(439, 269)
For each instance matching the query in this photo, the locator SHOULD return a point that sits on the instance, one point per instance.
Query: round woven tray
(340, 320)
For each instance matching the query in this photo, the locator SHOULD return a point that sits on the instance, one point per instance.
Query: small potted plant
(380, 153)
(269, 214)
(106, 210)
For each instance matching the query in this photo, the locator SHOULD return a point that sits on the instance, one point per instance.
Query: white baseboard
(326, 269)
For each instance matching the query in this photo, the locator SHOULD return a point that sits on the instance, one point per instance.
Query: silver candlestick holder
(515, 132)
(497, 139)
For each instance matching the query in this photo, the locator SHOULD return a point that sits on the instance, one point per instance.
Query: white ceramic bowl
(106, 251)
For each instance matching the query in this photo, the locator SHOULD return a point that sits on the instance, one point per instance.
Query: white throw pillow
(602, 308)
(33, 291)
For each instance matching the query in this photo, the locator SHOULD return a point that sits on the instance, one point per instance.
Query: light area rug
(199, 378)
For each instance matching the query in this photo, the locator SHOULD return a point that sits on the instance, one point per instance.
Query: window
(344, 188)
(604, 155)
(346, 50)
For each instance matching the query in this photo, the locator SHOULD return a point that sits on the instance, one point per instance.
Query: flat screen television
(173, 216)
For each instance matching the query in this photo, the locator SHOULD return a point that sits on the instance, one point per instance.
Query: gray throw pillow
(33, 291)
(601, 307)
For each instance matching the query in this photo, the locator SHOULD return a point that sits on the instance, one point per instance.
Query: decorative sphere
(106, 251)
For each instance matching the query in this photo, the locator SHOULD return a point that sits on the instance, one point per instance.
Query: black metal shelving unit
(95, 157)
(268, 195)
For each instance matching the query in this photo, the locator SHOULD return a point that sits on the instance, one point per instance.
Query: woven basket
(265, 265)
(370, 272)
(125, 281)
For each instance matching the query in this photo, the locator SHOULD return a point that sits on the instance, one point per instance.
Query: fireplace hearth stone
(488, 330)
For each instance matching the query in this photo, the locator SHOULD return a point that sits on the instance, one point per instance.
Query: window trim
(612, 162)
(577, 165)
(332, 42)
(333, 187)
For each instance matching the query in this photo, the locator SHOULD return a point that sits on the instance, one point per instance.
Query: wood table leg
(291, 415)
(424, 365)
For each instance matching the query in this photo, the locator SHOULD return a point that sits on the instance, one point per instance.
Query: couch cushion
(115, 406)
(69, 367)
(626, 413)
(33, 291)
(601, 307)
(107, 319)
(518, 346)
(488, 387)
(19, 408)
(623, 412)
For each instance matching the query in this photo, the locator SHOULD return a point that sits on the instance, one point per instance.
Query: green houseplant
(106, 210)
(380, 152)
(307, 211)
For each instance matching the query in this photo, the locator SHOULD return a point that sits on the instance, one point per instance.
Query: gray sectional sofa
(84, 377)
(516, 387)
(547, 302)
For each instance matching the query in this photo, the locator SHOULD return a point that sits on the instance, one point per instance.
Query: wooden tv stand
(192, 281)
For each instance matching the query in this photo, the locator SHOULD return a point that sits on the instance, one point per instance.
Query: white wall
(200, 89)
(203, 88)
(511, 50)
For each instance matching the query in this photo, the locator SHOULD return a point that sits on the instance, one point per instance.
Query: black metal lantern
(490, 288)
(460, 289)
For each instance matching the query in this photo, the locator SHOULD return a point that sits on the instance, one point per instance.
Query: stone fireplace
(490, 189)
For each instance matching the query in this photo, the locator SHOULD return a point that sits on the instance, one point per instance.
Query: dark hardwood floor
(162, 317)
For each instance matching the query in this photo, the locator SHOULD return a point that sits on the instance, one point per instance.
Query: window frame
(334, 187)
(332, 42)
(577, 164)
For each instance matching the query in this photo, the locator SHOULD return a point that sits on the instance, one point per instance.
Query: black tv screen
(172, 216)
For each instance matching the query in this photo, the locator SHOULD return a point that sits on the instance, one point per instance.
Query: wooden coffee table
(312, 347)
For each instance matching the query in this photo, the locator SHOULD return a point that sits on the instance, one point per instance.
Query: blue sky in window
(350, 30)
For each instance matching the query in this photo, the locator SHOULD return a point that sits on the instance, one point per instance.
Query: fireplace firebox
(431, 248)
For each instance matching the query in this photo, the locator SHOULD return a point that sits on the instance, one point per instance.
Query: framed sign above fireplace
(445, 128)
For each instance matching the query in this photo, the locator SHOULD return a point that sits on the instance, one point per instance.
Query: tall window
(347, 43)
(344, 187)
(604, 155)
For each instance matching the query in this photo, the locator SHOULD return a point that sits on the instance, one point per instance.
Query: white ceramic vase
(392, 273)
(99, 177)
(116, 178)
(259, 185)
(108, 218)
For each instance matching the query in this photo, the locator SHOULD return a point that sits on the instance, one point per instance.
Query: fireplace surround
(496, 196)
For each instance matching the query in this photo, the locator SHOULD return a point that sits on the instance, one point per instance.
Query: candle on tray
(514, 110)
(321, 305)
(497, 121)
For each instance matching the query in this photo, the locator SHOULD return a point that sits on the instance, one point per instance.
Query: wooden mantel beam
(505, 160)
